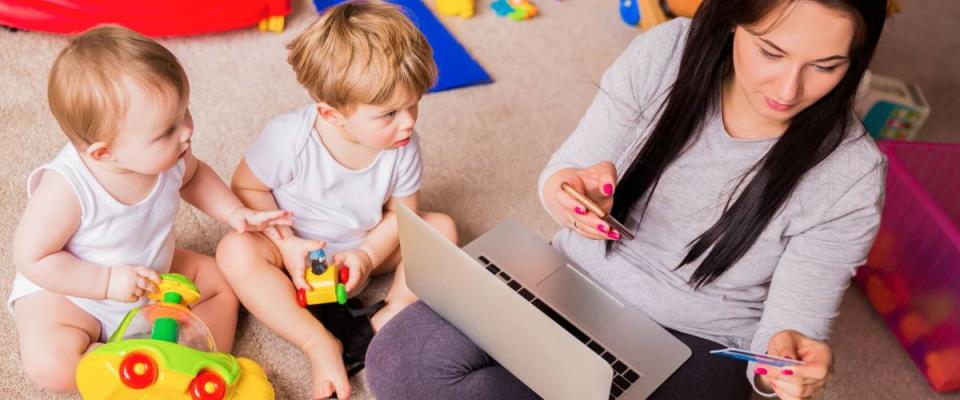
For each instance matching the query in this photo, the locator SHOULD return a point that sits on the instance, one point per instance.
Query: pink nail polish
(614, 235)
(760, 371)
(602, 228)
(607, 189)
(580, 210)
(788, 372)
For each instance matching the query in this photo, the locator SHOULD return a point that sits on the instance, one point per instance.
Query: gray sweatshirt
(794, 275)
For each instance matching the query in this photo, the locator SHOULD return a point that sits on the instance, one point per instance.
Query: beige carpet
(484, 147)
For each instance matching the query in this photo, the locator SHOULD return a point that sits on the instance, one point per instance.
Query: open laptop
(540, 316)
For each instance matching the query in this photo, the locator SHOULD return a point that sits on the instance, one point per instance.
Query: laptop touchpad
(578, 297)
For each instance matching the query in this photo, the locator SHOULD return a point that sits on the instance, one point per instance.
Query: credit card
(765, 359)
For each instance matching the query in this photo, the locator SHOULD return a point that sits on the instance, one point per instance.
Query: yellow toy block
(272, 24)
(456, 8)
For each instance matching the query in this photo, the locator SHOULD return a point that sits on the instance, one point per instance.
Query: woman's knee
(396, 343)
(442, 223)
(395, 363)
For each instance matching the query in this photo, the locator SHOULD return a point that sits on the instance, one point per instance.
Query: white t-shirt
(329, 201)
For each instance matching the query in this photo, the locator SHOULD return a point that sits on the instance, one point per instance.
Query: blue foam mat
(455, 66)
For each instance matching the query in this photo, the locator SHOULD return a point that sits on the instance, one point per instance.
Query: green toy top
(183, 280)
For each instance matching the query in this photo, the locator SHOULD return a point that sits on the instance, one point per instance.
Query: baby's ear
(330, 114)
(99, 151)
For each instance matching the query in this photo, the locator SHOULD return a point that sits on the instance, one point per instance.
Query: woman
(728, 146)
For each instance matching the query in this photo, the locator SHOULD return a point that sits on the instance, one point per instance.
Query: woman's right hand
(294, 251)
(597, 183)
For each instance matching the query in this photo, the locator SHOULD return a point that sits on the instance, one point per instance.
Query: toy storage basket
(912, 276)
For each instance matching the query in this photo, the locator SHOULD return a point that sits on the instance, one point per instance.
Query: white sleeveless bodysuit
(112, 233)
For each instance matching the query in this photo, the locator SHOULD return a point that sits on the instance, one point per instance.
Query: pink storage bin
(912, 276)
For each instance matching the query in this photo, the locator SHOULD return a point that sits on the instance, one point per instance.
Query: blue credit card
(755, 357)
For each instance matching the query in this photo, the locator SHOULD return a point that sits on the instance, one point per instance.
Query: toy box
(912, 276)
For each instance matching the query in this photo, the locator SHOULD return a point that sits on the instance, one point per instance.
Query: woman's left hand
(799, 381)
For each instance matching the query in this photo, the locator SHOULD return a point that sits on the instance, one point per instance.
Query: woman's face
(790, 59)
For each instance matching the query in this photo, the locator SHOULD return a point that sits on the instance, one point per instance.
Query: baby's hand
(128, 283)
(360, 266)
(294, 251)
(244, 219)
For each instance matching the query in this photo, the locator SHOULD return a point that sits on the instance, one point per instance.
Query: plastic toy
(456, 8)
(152, 18)
(942, 367)
(327, 282)
(630, 12)
(271, 24)
(648, 13)
(517, 10)
(891, 108)
(163, 351)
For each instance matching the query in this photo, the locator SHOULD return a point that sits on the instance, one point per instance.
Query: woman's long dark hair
(811, 136)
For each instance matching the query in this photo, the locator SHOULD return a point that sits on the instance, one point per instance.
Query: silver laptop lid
(642, 353)
(526, 342)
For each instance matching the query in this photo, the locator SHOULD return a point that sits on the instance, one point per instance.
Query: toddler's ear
(99, 151)
(330, 114)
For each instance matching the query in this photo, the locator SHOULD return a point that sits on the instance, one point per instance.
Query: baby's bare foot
(326, 364)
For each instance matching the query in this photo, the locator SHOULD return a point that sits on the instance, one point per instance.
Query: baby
(98, 228)
(342, 165)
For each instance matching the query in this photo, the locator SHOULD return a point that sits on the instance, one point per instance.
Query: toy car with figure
(327, 282)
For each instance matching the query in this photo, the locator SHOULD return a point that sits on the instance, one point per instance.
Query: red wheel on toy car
(138, 371)
(207, 386)
(302, 297)
(344, 274)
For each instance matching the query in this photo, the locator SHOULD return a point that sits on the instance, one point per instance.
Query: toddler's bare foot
(326, 364)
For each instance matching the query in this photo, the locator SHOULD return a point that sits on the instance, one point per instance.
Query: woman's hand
(800, 381)
(597, 183)
(294, 252)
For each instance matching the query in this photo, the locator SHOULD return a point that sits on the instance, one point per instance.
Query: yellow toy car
(327, 282)
(163, 351)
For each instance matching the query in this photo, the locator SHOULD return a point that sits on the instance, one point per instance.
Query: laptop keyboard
(623, 376)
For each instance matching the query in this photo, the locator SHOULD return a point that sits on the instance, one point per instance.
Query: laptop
(539, 315)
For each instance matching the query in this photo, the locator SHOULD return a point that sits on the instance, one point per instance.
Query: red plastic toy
(149, 17)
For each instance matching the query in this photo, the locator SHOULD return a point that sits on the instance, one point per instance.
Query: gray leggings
(418, 355)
